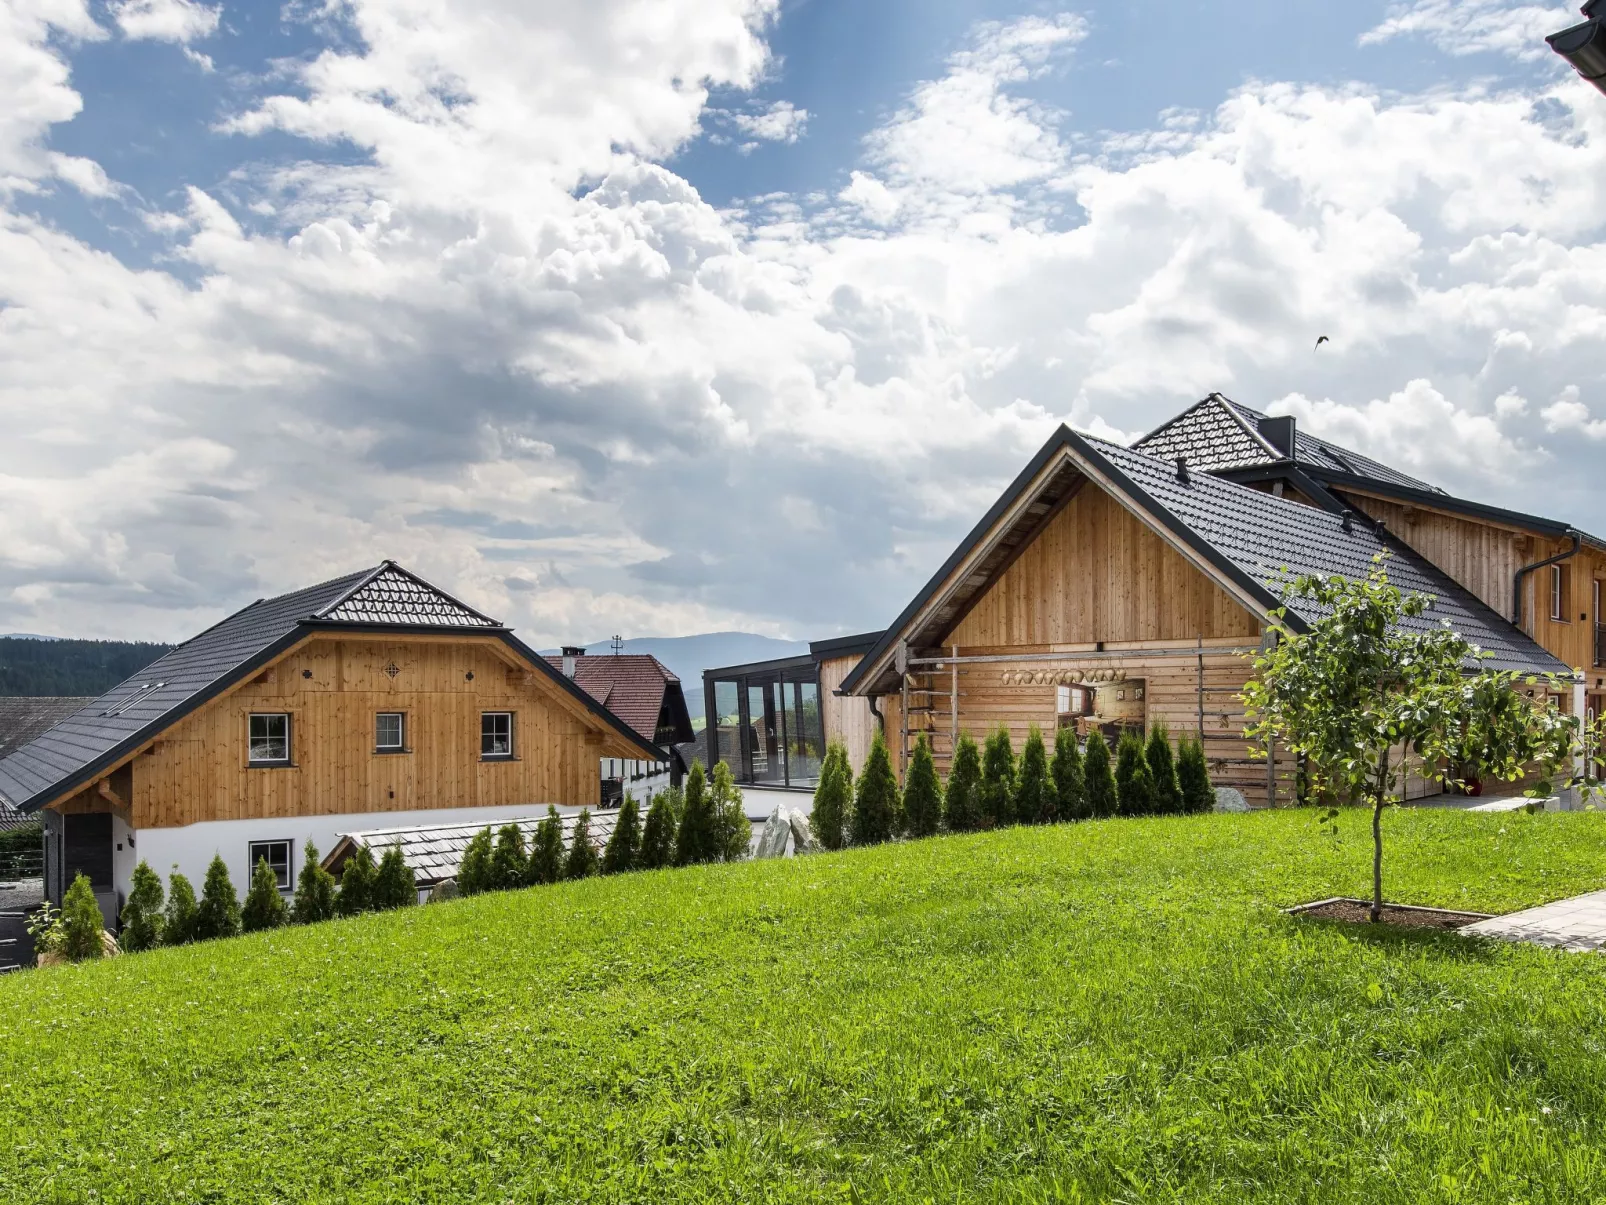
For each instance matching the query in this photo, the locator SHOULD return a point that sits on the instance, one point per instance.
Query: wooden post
(953, 713)
(903, 714)
(1201, 688)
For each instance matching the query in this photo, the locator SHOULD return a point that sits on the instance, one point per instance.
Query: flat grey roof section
(435, 851)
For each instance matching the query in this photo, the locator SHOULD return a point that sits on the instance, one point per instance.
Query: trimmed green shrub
(997, 794)
(922, 793)
(178, 920)
(1162, 770)
(264, 906)
(582, 860)
(510, 866)
(624, 843)
(961, 805)
(315, 890)
(658, 834)
(546, 851)
(142, 914)
(675, 800)
(474, 872)
(833, 796)
(1036, 801)
(395, 885)
(81, 921)
(219, 911)
(875, 797)
(357, 882)
(1097, 778)
(733, 829)
(1070, 794)
(1134, 789)
(698, 837)
(1193, 777)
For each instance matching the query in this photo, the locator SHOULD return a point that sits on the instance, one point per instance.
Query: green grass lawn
(1109, 1011)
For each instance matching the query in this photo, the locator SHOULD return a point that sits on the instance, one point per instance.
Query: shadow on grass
(1446, 943)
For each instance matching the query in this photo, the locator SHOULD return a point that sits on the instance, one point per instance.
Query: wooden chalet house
(373, 700)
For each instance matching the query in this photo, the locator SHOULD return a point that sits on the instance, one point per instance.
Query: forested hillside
(70, 667)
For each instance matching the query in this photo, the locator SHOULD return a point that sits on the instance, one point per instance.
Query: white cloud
(781, 122)
(1476, 26)
(181, 21)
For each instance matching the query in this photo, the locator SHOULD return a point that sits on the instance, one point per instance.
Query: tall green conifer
(1066, 770)
(922, 793)
(510, 866)
(997, 795)
(264, 906)
(1193, 777)
(658, 834)
(624, 843)
(1134, 789)
(961, 805)
(474, 872)
(1036, 801)
(1097, 777)
(315, 890)
(875, 797)
(142, 914)
(833, 798)
(178, 921)
(698, 837)
(81, 921)
(395, 885)
(357, 883)
(733, 830)
(219, 913)
(1162, 770)
(582, 860)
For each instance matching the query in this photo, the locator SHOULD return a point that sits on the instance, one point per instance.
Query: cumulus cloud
(1475, 26)
(180, 21)
(780, 122)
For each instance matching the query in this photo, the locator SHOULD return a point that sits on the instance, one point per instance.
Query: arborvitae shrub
(875, 797)
(922, 794)
(961, 805)
(1134, 789)
(395, 885)
(1066, 771)
(142, 914)
(658, 834)
(1162, 770)
(675, 800)
(315, 890)
(1097, 778)
(219, 913)
(833, 796)
(178, 921)
(81, 921)
(1035, 799)
(474, 873)
(1193, 777)
(357, 883)
(264, 906)
(998, 780)
(510, 867)
(624, 843)
(734, 831)
(698, 837)
(582, 861)
(546, 852)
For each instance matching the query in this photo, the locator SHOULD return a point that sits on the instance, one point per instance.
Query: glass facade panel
(768, 726)
(727, 722)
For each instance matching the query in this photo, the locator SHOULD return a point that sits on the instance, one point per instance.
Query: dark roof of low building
(634, 686)
(385, 598)
(843, 646)
(22, 718)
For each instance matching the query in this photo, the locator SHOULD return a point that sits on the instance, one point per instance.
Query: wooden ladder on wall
(930, 707)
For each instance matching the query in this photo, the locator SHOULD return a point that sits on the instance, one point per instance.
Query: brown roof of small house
(631, 685)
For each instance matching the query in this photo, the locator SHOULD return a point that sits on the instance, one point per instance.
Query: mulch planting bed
(1402, 915)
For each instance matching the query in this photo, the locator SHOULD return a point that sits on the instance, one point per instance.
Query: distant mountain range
(26, 636)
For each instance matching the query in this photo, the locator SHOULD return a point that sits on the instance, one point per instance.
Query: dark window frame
(512, 736)
(252, 857)
(289, 739)
(778, 686)
(401, 732)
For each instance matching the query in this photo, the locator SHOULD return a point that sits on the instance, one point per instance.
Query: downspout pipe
(881, 720)
(1517, 578)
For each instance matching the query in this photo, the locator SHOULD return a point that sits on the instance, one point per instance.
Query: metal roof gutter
(1517, 577)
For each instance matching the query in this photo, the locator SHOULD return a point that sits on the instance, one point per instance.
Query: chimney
(1182, 469)
(570, 652)
(1279, 433)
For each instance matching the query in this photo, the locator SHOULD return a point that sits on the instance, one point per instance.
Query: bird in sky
(1320, 339)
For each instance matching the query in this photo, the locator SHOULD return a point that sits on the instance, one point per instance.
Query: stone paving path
(1578, 923)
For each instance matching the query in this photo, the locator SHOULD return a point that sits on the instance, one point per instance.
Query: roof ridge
(364, 578)
(1237, 411)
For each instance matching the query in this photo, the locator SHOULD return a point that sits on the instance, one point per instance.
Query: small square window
(269, 739)
(277, 856)
(496, 734)
(390, 732)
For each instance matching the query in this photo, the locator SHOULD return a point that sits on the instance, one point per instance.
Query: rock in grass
(772, 838)
(1230, 799)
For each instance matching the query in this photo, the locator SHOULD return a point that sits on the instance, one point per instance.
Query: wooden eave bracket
(105, 790)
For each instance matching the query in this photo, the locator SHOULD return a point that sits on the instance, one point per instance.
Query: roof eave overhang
(1447, 502)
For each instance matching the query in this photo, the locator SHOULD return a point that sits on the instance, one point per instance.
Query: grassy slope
(1104, 1011)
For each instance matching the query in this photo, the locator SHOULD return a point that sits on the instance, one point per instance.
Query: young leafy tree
(1097, 779)
(315, 890)
(734, 831)
(509, 864)
(698, 837)
(1358, 684)
(395, 885)
(1193, 776)
(357, 883)
(624, 843)
(658, 834)
(582, 860)
(264, 906)
(142, 914)
(922, 793)
(546, 851)
(81, 921)
(1036, 801)
(1162, 770)
(997, 795)
(474, 872)
(833, 797)
(1134, 789)
(178, 921)
(1066, 770)
(875, 797)
(219, 913)
(961, 805)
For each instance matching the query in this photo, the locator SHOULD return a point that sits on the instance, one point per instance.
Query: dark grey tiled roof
(24, 718)
(436, 851)
(392, 595)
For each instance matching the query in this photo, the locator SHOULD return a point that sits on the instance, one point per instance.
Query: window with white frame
(277, 855)
(269, 738)
(496, 734)
(1560, 590)
(390, 732)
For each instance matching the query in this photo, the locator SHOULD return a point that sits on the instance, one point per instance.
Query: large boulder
(446, 889)
(773, 837)
(1229, 799)
(803, 841)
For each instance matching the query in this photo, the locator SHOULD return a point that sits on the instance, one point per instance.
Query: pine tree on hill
(1066, 770)
(264, 906)
(997, 794)
(509, 865)
(1193, 777)
(833, 797)
(395, 885)
(624, 843)
(219, 913)
(658, 835)
(698, 838)
(474, 872)
(1162, 770)
(875, 797)
(1097, 778)
(961, 805)
(81, 921)
(1036, 801)
(315, 890)
(357, 883)
(178, 921)
(1134, 789)
(546, 853)
(922, 793)
(582, 861)
(733, 830)
(142, 914)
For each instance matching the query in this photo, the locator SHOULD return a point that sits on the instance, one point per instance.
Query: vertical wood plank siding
(846, 719)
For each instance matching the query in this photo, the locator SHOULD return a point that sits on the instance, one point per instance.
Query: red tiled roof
(631, 685)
